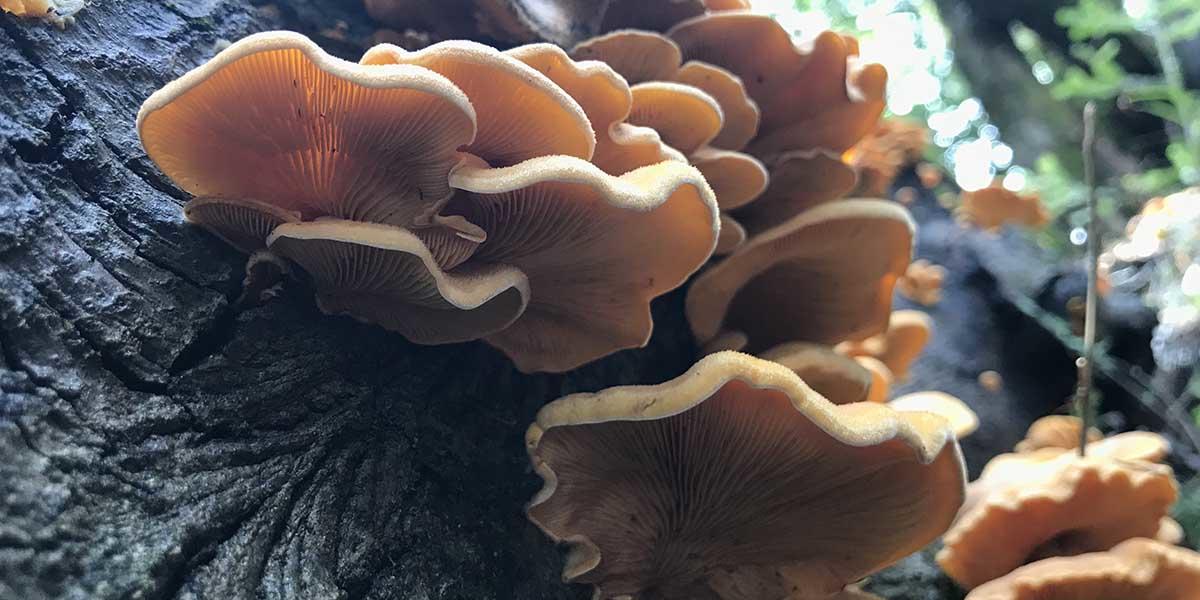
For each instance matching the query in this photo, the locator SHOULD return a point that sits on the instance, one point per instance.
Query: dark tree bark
(155, 442)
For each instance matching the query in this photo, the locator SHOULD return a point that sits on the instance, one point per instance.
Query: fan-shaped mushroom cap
(992, 207)
(274, 119)
(606, 100)
(839, 379)
(521, 113)
(239, 222)
(736, 178)
(1055, 431)
(730, 238)
(639, 56)
(922, 282)
(736, 481)
(819, 96)
(899, 346)
(798, 181)
(881, 378)
(596, 248)
(962, 419)
(1169, 531)
(1074, 506)
(824, 276)
(385, 275)
(741, 113)
(684, 116)
(1137, 568)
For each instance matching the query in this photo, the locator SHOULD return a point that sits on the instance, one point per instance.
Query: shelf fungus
(922, 282)
(817, 96)
(824, 276)
(879, 156)
(962, 419)
(445, 194)
(596, 249)
(839, 379)
(1055, 431)
(1060, 433)
(606, 100)
(899, 345)
(1063, 506)
(799, 180)
(1137, 568)
(639, 56)
(736, 481)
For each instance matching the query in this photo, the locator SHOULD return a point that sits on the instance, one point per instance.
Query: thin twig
(1083, 390)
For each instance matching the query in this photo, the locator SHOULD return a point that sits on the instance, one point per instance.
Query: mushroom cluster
(922, 282)
(737, 481)
(1047, 501)
(878, 157)
(446, 194)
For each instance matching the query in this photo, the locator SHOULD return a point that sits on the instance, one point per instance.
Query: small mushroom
(922, 282)
(991, 381)
(899, 345)
(639, 56)
(839, 379)
(606, 100)
(1070, 506)
(930, 175)
(736, 481)
(962, 419)
(521, 113)
(799, 181)
(881, 378)
(992, 207)
(274, 119)
(1137, 568)
(737, 179)
(596, 249)
(818, 96)
(1055, 431)
(385, 275)
(740, 112)
(684, 116)
(823, 276)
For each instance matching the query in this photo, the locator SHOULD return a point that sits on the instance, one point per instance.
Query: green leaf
(1092, 19)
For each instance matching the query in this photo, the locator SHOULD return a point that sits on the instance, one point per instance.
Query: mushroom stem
(265, 272)
(1084, 363)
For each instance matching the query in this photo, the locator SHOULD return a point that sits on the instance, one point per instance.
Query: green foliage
(1091, 19)
(1187, 511)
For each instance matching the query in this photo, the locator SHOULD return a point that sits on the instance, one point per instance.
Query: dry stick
(1083, 389)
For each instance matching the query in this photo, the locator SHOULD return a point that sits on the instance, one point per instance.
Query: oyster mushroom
(823, 276)
(881, 378)
(384, 275)
(685, 117)
(839, 379)
(275, 120)
(736, 481)
(992, 207)
(57, 12)
(962, 419)
(1055, 431)
(1137, 568)
(240, 222)
(740, 112)
(1067, 506)
(799, 181)
(596, 249)
(639, 56)
(522, 114)
(819, 96)
(899, 346)
(922, 282)
(606, 100)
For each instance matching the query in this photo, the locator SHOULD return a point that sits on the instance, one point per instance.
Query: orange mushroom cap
(639, 56)
(839, 379)
(239, 222)
(798, 181)
(740, 112)
(1055, 431)
(1137, 568)
(58, 12)
(606, 100)
(736, 481)
(824, 276)
(275, 119)
(384, 275)
(881, 378)
(730, 238)
(899, 345)
(521, 113)
(922, 282)
(684, 116)
(992, 207)
(819, 96)
(1071, 506)
(960, 416)
(596, 249)
(737, 179)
